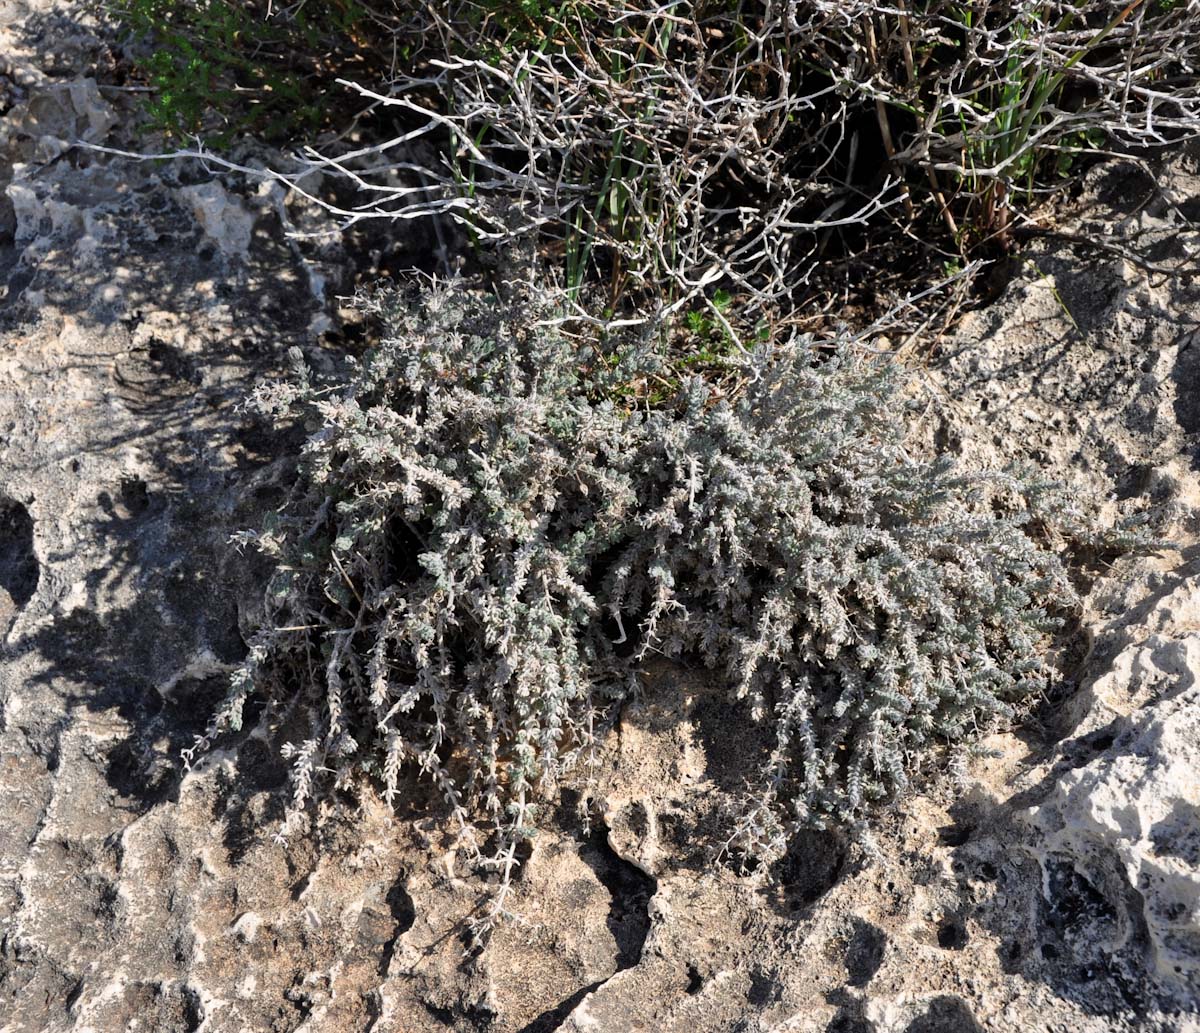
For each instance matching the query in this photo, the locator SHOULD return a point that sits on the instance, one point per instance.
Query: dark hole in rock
(19, 567)
(443, 1015)
(695, 981)
(850, 1017)
(1083, 750)
(135, 495)
(628, 919)
(550, 1020)
(811, 867)
(132, 772)
(1073, 900)
(523, 852)
(763, 989)
(639, 821)
(193, 1009)
(954, 835)
(865, 953)
(74, 995)
(952, 934)
(376, 928)
(403, 910)
(630, 889)
(1049, 951)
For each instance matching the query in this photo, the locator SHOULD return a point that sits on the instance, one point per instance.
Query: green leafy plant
(700, 323)
(218, 68)
(488, 537)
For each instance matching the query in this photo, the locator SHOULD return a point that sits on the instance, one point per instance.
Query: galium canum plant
(488, 535)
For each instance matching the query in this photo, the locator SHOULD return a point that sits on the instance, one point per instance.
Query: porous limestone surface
(1131, 809)
(1049, 885)
(1134, 808)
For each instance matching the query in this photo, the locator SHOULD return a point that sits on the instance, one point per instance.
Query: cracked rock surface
(1053, 883)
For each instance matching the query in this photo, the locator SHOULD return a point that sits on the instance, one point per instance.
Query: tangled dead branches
(671, 150)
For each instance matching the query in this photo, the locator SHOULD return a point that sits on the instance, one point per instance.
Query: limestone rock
(222, 217)
(1131, 813)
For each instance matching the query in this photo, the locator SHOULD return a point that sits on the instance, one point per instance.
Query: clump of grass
(1039, 93)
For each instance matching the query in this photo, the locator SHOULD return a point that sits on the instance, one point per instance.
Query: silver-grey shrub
(490, 533)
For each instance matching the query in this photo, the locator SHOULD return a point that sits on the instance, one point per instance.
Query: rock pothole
(864, 953)
(952, 933)
(631, 890)
(814, 863)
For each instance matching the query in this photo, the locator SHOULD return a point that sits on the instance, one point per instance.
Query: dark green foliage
(483, 545)
(219, 67)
